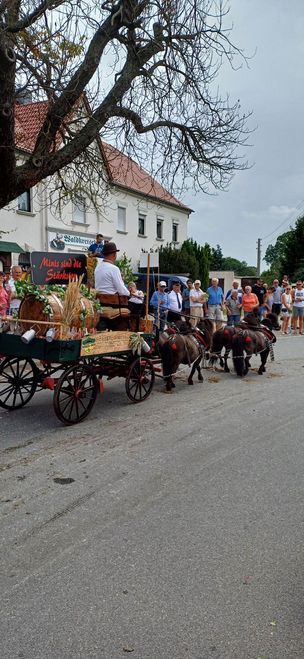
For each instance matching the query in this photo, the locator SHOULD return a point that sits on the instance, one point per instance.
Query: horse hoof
(227, 370)
(190, 381)
(173, 385)
(167, 391)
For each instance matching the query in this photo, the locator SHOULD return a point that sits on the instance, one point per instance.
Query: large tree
(148, 70)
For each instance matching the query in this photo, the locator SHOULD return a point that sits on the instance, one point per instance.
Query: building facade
(134, 210)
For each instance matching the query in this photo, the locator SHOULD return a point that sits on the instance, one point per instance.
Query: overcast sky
(272, 191)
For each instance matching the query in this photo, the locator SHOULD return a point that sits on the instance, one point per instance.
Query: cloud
(272, 212)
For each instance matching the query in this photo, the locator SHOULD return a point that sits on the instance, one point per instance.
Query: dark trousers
(276, 308)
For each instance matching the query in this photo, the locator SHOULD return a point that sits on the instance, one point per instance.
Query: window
(174, 232)
(159, 228)
(79, 209)
(121, 218)
(141, 225)
(24, 201)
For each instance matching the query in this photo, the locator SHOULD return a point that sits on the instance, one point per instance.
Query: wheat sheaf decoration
(71, 304)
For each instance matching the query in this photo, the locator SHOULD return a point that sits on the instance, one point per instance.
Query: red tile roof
(122, 170)
(28, 120)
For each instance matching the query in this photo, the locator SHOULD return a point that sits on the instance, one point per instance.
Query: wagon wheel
(18, 382)
(140, 380)
(75, 394)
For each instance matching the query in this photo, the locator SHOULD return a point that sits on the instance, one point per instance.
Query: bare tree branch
(148, 69)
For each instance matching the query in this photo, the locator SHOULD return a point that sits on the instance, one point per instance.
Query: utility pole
(259, 257)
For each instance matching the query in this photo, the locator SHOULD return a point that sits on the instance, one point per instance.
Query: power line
(299, 207)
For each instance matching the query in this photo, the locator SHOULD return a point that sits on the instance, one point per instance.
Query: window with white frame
(141, 224)
(159, 228)
(79, 209)
(24, 202)
(175, 232)
(121, 218)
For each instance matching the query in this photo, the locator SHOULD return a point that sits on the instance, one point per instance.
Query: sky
(271, 192)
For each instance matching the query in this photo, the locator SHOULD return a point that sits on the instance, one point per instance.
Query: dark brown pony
(250, 342)
(184, 345)
(223, 339)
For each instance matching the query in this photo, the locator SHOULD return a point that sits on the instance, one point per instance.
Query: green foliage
(268, 276)
(286, 256)
(202, 254)
(216, 258)
(240, 268)
(124, 265)
(275, 253)
(292, 262)
(40, 293)
(178, 261)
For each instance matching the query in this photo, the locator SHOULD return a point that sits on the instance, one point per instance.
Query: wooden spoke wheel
(140, 380)
(18, 382)
(75, 394)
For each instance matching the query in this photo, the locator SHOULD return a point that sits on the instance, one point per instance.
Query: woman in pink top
(4, 296)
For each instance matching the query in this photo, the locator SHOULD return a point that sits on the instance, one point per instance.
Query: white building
(138, 213)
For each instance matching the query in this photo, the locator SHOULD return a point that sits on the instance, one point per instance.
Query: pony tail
(216, 343)
(238, 354)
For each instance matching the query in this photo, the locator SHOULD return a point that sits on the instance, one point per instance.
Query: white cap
(197, 281)
(162, 283)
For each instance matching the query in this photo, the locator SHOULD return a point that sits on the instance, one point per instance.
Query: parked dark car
(154, 278)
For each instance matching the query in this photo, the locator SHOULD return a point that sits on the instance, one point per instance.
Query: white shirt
(139, 299)
(108, 278)
(298, 298)
(14, 303)
(172, 301)
(195, 295)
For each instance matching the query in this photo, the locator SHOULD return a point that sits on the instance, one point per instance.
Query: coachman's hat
(109, 248)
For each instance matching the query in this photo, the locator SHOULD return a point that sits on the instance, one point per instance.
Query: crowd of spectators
(283, 299)
(286, 301)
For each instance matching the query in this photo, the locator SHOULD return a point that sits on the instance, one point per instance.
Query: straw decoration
(71, 304)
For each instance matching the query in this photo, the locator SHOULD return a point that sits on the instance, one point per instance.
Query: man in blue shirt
(159, 302)
(96, 249)
(186, 297)
(215, 303)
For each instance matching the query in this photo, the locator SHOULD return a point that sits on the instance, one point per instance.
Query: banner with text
(48, 268)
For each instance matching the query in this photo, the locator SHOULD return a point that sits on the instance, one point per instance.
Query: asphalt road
(181, 535)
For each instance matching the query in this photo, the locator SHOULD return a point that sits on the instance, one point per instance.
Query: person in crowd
(277, 293)
(298, 308)
(107, 275)
(265, 308)
(250, 300)
(235, 287)
(197, 299)
(16, 275)
(286, 309)
(175, 303)
(96, 249)
(159, 302)
(285, 281)
(234, 308)
(268, 301)
(136, 302)
(186, 297)
(259, 289)
(4, 296)
(215, 303)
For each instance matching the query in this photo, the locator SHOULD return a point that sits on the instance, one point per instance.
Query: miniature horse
(184, 345)
(252, 342)
(223, 338)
